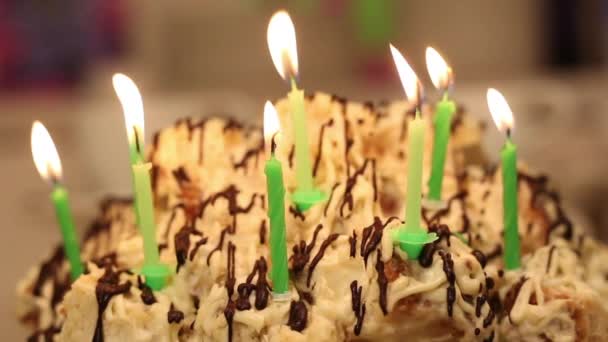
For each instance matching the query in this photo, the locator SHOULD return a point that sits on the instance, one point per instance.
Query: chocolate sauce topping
(107, 287)
(261, 288)
(182, 244)
(251, 153)
(512, 295)
(147, 296)
(230, 309)
(358, 309)
(296, 213)
(448, 269)
(480, 257)
(219, 244)
(372, 236)
(331, 196)
(47, 334)
(353, 244)
(550, 258)
(320, 148)
(174, 315)
(330, 239)
(382, 282)
(290, 156)
(350, 184)
(196, 247)
(301, 252)
(263, 232)
(48, 270)
(180, 175)
(298, 316)
(479, 304)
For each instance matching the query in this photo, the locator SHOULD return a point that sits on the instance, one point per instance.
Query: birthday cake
(347, 279)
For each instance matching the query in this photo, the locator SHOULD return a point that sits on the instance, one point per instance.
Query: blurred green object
(374, 22)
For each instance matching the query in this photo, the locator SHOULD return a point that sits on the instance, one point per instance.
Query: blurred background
(201, 57)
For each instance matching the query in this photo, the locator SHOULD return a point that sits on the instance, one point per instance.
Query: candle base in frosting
(156, 275)
(304, 200)
(412, 242)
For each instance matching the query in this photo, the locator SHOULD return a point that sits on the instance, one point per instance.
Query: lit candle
(155, 272)
(441, 75)
(283, 50)
(412, 236)
(275, 189)
(48, 164)
(503, 118)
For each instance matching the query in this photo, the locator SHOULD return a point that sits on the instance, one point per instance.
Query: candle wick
(273, 143)
(509, 133)
(136, 137)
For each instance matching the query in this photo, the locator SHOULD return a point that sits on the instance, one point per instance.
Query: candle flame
(45, 154)
(501, 112)
(409, 80)
(271, 121)
(439, 71)
(281, 38)
(132, 106)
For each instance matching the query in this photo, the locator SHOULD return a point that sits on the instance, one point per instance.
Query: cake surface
(347, 280)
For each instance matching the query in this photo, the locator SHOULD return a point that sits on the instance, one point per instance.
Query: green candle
(442, 122)
(441, 75)
(59, 196)
(155, 272)
(279, 272)
(48, 164)
(415, 153)
(283, 50)
(300, 133)
(503, 117)
(412, 237)
(509, 180)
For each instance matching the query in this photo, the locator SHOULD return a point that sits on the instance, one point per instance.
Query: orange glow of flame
(281, 38)
(501, 112)
(409, 80)
(439, 71)
(45, 154)
(132, 106)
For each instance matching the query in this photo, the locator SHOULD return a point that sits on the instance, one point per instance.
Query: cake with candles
(243, 234)
(347, 279)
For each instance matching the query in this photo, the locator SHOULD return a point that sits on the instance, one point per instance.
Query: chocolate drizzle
(330, 239)
(181, 176)
(350, 184)
(358, 308)
(261, 288)
(296, 213)
(448, 269)
(298, 316)
(251, 153)
(230, 309)
(352, 240)
(320, 149)
(147, 296)
(331, 196)
(230, 195)
(263, 232)
(107, 287)
(219, 244)
(382, 282)
(174, 315)
(550, 258)
(512, 295)
(182, 244)
(301, 252)
(372, 235)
